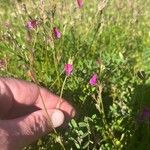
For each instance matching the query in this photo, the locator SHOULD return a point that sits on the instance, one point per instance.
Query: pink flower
(93, 80)
(56, 33)
(80, 3)
(68, 69)
(32, 24)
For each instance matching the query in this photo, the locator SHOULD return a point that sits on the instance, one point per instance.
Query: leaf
(82, 124)
(74, 124)
(85, 135)
(86, 145)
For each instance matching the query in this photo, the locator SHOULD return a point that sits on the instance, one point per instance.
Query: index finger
(29, 94)
(52, 101)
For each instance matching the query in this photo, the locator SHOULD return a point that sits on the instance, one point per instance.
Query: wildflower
(32, 24)
(93, 80)
(68, 69)
(80, 3)
(56, 33)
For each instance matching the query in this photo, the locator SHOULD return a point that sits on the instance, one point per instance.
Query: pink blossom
(68, 69)
(93, 80)
(80, 3)
(32, 24)
(56, 33)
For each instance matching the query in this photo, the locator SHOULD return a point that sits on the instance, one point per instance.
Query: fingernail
(57, 118)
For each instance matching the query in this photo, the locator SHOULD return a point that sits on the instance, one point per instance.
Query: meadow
(107, 44)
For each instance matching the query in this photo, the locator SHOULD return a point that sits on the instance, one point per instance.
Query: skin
(22, 115)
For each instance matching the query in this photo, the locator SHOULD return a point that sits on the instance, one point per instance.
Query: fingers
(29, 128)
(24, 94)
(5, 99)
(19, 96)
(52, 101)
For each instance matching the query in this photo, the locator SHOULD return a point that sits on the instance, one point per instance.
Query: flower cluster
(69, 68)
(32, 24)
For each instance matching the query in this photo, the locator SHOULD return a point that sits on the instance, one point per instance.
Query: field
(106, 38)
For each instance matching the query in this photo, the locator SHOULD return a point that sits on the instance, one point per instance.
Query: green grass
(111, 39)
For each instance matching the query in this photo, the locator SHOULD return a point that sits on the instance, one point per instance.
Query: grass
(109, 38)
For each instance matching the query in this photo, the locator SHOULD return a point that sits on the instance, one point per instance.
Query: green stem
(51, 124)
(49, 119)
(55, 80)
(62, 88)
(101, 110)
(56, 67)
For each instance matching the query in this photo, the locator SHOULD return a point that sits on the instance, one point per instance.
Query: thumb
(24, 130)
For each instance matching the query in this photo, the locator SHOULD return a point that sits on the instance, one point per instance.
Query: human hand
(22, 114)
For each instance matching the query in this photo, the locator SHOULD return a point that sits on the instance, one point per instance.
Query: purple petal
(68, 69)
(32, 24)
(80, 3)
(93, 80)
(56, 33)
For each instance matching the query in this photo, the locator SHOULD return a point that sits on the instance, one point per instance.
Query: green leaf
(82, 124)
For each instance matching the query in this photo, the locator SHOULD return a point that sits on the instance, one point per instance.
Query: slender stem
(51, 124)
(101, 104)
(56, 66)
(55, 80)
(62, 88)
(101, 109)
(49, 119)
(61, 92)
